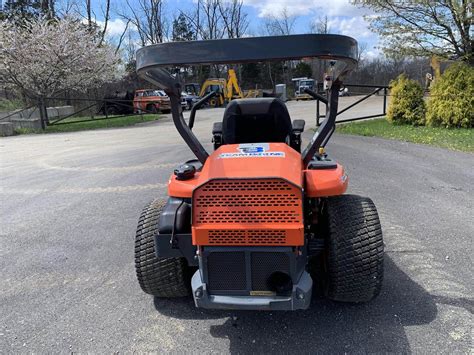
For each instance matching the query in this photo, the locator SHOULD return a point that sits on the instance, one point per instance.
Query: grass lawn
(93, 124)
(456, 138)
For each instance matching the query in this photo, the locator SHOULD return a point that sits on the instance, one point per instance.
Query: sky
(343, 18)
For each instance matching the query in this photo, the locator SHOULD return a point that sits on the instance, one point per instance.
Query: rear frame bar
(153, 60)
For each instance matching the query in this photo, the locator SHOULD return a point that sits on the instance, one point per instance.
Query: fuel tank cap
(185, 172)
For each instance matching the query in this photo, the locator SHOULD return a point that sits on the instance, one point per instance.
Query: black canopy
(343, 49)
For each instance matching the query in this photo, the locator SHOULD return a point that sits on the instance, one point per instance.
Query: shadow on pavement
(327, 326)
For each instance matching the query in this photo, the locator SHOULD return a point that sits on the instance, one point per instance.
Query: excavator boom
(233, 84)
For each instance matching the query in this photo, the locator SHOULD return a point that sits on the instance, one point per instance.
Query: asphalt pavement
(69, 207)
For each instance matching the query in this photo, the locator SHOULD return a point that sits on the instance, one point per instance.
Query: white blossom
(47, 57)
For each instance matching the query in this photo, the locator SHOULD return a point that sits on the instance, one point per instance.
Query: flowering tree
(49, 56)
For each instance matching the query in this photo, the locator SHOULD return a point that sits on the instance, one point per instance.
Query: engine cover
(252, 196)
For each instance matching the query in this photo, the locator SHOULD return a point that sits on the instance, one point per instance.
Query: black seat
(262, 120)
(255, 121)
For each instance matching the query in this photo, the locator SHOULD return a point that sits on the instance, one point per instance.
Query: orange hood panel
(244, 161)
(254, 161)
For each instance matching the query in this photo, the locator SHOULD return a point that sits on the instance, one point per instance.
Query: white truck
(303, 83)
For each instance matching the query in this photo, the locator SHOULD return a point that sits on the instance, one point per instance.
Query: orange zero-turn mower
(257, 222)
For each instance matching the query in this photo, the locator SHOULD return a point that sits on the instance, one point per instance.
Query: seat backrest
(256, 120)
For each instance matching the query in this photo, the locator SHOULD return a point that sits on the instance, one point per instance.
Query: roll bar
(316, 96)
(153, 60)
(197, 106)
(326, 129)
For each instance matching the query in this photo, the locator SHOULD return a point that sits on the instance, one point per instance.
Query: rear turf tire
(160, 277)
(354, 258)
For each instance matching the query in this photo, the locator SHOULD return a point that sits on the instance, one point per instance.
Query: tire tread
(161, 277)
(355, 249)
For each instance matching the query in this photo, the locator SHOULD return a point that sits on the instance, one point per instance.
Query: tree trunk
(89, 13)
(43, 113)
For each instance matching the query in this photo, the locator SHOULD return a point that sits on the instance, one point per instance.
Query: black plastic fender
(174, 238)
(176, 216)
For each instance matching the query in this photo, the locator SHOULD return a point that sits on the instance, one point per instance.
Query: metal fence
(377, 89)
(89, 108)
(98, 109)
(98, 106)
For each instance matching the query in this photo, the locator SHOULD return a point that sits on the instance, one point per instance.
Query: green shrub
(451, 102)
(406, 104)
(10, 105)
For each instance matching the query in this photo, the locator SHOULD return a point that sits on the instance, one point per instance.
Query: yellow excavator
(228, 89)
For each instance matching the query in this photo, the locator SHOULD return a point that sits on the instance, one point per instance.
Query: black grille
(264, 265)
(226, 271)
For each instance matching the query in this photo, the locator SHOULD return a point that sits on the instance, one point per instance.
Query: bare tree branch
(106, 21)
(424, 27)
(234, 20)
(321, 25)
(149, 19)
(89, 13)
(122, 36)
(283, 24)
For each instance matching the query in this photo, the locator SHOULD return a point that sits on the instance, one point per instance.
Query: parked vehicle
(151, 101)
(192, 88)
(188, 100)
(344, 92)
(119, 103)
(300, 85)
(227, 89)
